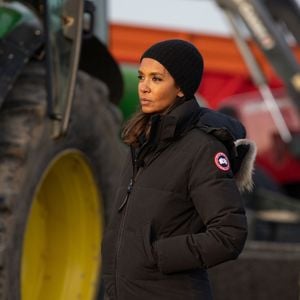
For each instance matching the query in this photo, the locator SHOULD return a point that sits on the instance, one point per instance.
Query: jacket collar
(173, 124)
(166, 128)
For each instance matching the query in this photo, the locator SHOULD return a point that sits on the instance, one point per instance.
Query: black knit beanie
(182, 60)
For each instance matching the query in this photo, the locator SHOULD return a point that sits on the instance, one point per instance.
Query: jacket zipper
(122, 225)
(129, 189)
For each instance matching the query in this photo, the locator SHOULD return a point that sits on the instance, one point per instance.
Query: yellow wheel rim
(61, 252)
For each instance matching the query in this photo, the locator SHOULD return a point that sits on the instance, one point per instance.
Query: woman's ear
(180, 94)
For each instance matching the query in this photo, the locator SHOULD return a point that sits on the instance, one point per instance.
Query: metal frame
(264, 30)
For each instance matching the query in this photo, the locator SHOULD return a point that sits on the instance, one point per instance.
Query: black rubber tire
(26, 148)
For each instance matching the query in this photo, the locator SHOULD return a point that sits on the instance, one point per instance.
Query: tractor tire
(54, 193)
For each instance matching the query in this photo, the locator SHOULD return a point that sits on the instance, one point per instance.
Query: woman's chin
(147, 110)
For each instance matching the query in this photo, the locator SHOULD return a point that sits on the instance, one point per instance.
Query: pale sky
(188, 15)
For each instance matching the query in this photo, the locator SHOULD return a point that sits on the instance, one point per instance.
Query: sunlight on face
(157, 89)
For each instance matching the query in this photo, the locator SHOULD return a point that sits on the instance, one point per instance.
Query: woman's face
(157, 89)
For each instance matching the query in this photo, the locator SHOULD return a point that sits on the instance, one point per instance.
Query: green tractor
(60, 152)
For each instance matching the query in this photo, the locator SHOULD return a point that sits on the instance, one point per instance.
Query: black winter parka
(177, 210)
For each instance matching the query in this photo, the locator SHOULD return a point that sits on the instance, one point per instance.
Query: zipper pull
(123, 203)
(129, 189)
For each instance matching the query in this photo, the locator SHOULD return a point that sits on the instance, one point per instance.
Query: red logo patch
(222, 162)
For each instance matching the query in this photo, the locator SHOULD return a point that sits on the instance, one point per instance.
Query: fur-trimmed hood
(244, 176)
(232, 133)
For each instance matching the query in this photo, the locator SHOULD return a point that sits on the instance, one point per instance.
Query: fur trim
(243, 177)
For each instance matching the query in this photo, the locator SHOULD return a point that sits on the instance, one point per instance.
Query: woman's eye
(156, 78)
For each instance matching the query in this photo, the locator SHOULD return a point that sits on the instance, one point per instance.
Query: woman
(178, 210)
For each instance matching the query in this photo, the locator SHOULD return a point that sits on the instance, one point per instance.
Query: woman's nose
(144, 88)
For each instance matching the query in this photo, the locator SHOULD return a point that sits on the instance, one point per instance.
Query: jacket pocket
(148, 239)
(135, 257)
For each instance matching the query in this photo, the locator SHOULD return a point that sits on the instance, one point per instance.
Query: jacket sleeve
(219, 205)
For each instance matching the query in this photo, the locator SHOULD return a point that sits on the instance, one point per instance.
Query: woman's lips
(145, 101)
